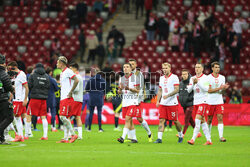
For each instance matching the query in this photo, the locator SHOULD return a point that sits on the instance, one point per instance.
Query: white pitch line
(11, 146)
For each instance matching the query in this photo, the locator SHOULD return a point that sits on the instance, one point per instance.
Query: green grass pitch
(102, 149)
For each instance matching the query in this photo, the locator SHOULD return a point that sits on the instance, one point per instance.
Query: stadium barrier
(235, 115)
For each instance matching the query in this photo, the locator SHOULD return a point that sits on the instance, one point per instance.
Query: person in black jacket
(6, 109)
(39, 86)
(186, 100)
(163, 28)
(96, 88)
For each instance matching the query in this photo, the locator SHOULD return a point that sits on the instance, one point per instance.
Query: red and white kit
(66, 85)
(78, 97)
(20, 81)
(168, 107)
(200, 93)
(130, 99)
(215, 100)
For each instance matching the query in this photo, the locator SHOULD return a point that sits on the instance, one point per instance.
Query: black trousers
(6, 117)
(99, 113)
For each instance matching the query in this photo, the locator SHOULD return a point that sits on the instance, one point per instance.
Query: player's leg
(117, 109)
(53, 119)
(45, 128)
(186, 120)
(209, 122)
(198, 119)
(79, 126)
(132, 132)
(91, 113)
(28, 126)
(206, 131)
(125, 129)
(19, 127)
(220, 127)
(179, 129)
(99, 114)
(146, 127)
(160, 130)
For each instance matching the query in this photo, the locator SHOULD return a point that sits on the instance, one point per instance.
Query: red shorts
(76, 108)
(215, 109)
(19, 109)
(66, 107)
(37, 107)
(132, 111)
(168, 112)
(200, 109)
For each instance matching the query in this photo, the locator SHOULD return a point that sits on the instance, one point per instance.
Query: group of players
(208, 100)
(70, 103)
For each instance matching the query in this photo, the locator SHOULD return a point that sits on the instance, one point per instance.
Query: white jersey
(66, 82)
(129, 98)
(141, 79)
(167, 85)
(215, 98)
(78, 92)
(200, 89)
(20, 80)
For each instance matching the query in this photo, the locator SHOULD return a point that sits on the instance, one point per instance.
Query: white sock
(19, 126)
(14, 122)
(130, 136)
(206, 131)
(69, 126)
(180, 134)
(160, 135)
(220, 129)
(146, 127)
(79, 131)
(125, 132)
(27, 128)
(45, 127)
(196, 128)
(133, 134)
(65, 133)
(210, 128)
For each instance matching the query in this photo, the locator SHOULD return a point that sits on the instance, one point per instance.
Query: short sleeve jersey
(129, 98)
(20, 81)
(200, 95)
(78, 93)
(66, 82)
(215, 82)
(167, 84)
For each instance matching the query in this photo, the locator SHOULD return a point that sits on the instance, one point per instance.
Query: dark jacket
(39, 84)
(5, 85)
(51, 100)
(185, 98)
(163, 26)
(96, 88)
(150, 27)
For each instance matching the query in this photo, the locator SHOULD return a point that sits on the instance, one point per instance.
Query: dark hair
(201, 64)
(74, 65)
(13, 64)
(29, 69)
(215, 63)
(58, 77)
(48, 70)
(185, 70)
(132, 60)
(127, 64)
(87, 70)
